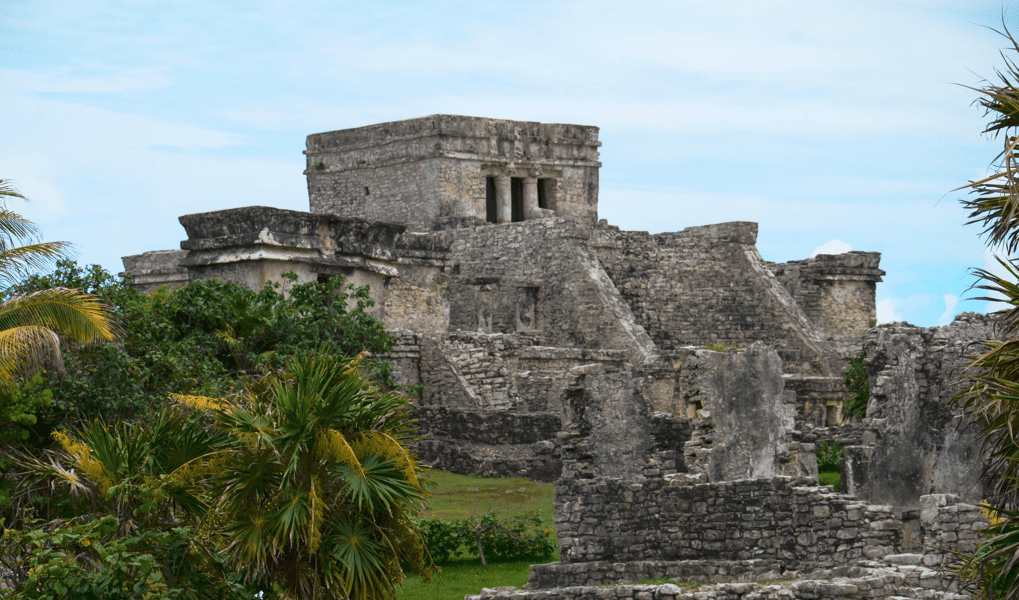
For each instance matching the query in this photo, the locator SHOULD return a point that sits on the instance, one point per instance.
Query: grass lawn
(459, 497)
(463, 577)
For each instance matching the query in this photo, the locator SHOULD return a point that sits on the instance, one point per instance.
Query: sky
(835, 126)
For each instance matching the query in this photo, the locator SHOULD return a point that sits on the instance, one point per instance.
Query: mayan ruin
(673, 386)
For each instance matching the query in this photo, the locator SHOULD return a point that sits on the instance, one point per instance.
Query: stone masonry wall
(793, 521)
(836, 291)
(831, 545)
(708, 285)
(915, 442)
(430, 173)
(540, 276)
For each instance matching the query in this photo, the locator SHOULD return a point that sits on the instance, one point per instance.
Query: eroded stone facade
(673, 385)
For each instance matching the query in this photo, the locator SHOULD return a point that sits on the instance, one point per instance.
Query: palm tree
(992, 394)
(315, 489)
(31, 324)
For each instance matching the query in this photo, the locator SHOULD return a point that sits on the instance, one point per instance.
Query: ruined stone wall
(540, 276)
(151, 270)
(430, 173)
(708, 285)
(915, 442)
(794, 521)
(491, 403)
(828, 544)
(837, 293)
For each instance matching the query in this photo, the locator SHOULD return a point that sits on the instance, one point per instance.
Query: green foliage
(828, 457)
(139, 472)
(992, 395)
(831, 478)
(21, 405)
(206, 338)
(858, 383)
(92, 279)
(88, 559)
(488, 536)
(721, 347)
(315, 487)
(302, 482)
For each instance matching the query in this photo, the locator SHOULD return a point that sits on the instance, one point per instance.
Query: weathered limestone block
(747, 419)
(442, 171)
(152, 270)
(916, 442)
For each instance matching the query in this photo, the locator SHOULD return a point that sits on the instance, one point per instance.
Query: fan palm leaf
(29, 326)
(315, 483)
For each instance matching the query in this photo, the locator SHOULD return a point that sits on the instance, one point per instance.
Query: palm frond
(79, 316)
(18, 262)
(26, 350)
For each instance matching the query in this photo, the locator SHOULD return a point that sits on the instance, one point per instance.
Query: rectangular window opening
(491, 211)
(542, 198)
(517, 197)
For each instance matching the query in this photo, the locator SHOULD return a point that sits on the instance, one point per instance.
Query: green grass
(462, 496)
(465, 577)
(831, 478)
(459, 497)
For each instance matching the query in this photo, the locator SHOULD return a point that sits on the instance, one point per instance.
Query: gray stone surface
(915, 441)
(151, 270)
(432, 172)
(750, 413)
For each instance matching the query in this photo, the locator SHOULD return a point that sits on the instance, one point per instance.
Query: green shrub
(831, 478)
(858, 383)
(206, 338)
(829, 457)
(528, 536)
(89, 559)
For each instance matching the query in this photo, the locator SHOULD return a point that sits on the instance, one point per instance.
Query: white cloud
(832, 247)
(886, 311)
(67, 82)
(951, 301)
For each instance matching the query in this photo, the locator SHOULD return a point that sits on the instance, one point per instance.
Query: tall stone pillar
(503, 200)
(531, 209)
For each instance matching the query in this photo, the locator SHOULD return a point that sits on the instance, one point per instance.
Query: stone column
(531, 210)
(503, 200)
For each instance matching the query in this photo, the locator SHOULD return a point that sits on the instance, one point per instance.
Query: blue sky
(831, 126)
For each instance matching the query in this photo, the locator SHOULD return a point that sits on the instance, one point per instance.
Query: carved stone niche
(526, 313)
(520, 191)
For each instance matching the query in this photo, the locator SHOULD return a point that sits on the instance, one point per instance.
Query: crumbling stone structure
(557, 347)
(765, 531)
(463, 224)
(446, 170)
(914, 440)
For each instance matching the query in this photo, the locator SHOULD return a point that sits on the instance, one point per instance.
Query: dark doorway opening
(491, 209)
(517, 195)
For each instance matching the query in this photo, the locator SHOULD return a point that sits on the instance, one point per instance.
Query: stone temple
(481, 244)
(673, 385)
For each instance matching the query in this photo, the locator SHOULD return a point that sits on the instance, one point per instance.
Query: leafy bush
(88, 559)
(828, 457)
(445, 538)
(831, 478)
(528, 536)
(858, 383)
(206, 338)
